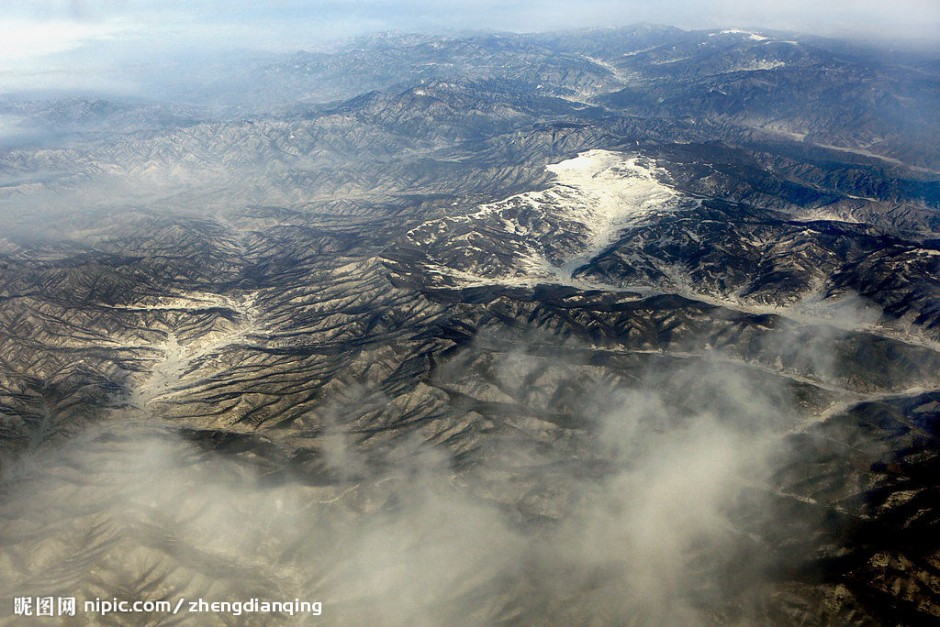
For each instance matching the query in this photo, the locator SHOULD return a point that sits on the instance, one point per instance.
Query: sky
(47, 38)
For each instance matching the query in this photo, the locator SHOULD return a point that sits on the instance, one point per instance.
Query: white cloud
(22, 39)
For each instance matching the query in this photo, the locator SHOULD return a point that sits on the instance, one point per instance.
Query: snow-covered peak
(551, 233)
(736, 31)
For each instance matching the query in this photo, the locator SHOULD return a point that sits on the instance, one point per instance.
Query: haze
(112, 44)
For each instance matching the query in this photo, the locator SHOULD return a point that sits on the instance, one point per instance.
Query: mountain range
(630, 326)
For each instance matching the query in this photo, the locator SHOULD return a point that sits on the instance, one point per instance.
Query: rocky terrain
(638, 326)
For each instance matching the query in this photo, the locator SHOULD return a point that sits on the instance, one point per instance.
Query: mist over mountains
(622, 326)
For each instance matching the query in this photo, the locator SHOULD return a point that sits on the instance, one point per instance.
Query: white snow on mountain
(595, 197)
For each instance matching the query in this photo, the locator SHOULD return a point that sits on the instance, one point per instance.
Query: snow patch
(614, 192)
(759, 65)
(751, 35)
(599, 193)
(167, 372)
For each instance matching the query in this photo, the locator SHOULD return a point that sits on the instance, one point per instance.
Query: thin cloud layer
(57, 26)
(118, 47)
